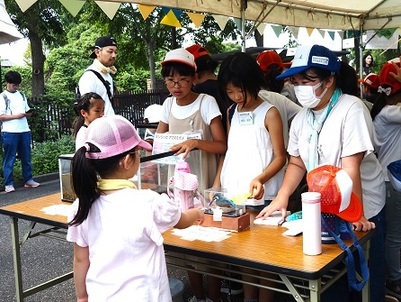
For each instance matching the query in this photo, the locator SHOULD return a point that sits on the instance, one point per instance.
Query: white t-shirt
(287, 108)
(16, 103)
(124, 234)
(388, 135)
(347, 130)
(89, 82)
(209, 109)
(81, 137)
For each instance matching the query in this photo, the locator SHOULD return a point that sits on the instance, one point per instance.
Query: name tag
(245, 118)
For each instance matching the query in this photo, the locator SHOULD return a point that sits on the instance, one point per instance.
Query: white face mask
(306, 95)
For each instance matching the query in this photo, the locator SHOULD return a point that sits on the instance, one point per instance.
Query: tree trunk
(38, 60)
(151, 65)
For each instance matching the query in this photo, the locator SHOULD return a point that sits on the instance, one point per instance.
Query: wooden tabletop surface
(261, 246)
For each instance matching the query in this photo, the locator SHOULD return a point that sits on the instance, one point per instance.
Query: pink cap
(113, 135)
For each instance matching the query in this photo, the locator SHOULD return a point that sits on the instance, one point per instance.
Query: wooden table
(262, 248)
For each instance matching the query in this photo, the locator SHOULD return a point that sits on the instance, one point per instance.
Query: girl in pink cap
(117, 229)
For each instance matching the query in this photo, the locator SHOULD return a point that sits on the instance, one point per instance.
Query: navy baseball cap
(312, 56)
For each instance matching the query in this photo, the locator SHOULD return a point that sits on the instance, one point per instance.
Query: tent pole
(244, 4)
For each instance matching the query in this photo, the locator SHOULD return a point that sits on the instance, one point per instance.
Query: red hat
(335, 187)
(371, 80)
(388, 84)
(197, 51)
(267, 58)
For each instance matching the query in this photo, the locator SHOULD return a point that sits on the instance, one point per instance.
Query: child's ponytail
(84, 183)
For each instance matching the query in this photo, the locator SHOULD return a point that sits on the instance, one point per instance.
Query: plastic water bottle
(311, 217)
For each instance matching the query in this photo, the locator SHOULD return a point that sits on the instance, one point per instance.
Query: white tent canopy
(8, 31)
(322, 14)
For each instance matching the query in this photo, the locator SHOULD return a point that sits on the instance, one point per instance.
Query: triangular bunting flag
(25, 4)
(387, 33)
(220, 20)
(170, 19)
(145, 10)
(321, 32)
(73, 6)
(109, 8)
(261, 28)
(294, 30)
(331, 34)
(166, 10)
(177, 13)
(196, 19)
(309, 30)
(277, 30)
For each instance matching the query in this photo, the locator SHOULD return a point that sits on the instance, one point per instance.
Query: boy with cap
(187, 111)
(97, 77)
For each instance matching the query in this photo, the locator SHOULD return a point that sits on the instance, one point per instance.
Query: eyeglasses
(135, 152)
(180, 83)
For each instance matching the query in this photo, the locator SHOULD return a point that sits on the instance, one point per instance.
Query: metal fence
(55, 120)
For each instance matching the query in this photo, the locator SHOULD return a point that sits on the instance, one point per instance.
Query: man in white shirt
(15, 132)
(97, 77)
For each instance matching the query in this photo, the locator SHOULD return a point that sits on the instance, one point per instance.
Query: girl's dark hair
(170, 68)
(242, 71)
(348, 81)
(206, 64)
(365, 56)
(381, 102)
(272, 84)
(378, 105)
(84, 103)
(84, 177)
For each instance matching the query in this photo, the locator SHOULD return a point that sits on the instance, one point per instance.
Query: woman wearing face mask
(334, 128)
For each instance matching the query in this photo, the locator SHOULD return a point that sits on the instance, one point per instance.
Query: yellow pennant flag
(309, 31)
(145, 10)
(171, 20)
(109, 8)
(73, 6)
(25, 4)
(196, 19)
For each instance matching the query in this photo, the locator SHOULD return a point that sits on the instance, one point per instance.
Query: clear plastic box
(64, 165)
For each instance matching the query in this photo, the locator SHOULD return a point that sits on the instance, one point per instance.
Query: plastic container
(311, 217)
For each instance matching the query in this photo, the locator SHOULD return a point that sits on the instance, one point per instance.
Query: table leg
(17, 260)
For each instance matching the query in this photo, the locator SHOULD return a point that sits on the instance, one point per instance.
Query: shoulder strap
(106, 84)
(6, 100)
(231, 111)
(353, 282)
